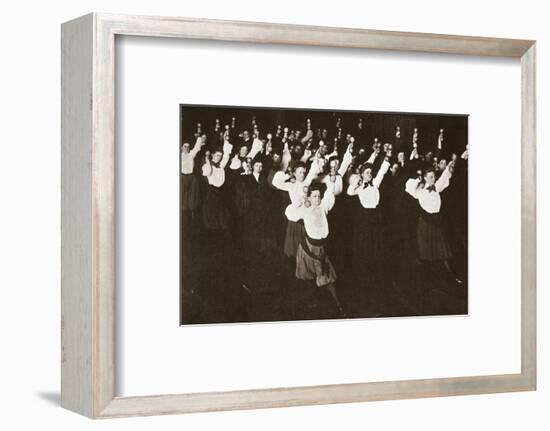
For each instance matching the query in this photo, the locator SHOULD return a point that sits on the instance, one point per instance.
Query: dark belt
(317, 243)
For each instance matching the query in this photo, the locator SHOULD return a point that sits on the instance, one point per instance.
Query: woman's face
(442, 164)
(258, 166)
(401, 157)
(367, 175)
(315, 198)
(429, 178)
(217, 157)
(322, 162)
(300, 173)
(243, 151)
(334, 166)
(186, 148)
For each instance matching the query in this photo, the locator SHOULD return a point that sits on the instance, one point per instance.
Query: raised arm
(307, 137)
(257, 146)
(354, 183)
(381, 172)
(411, 187)
(373, 156)
(207, 167)
(346, 161)
(198, 145)
(439, 148)
(307, 155)
(331, 155)
(464, 155)
(313, 170)
(227, 148)
(328, 200)
(287, 157)
(334, 183)
(279, 181)
(444, 180)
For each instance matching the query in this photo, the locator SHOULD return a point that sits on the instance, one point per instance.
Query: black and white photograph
(304, 214)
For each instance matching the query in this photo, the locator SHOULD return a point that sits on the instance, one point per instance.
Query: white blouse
(368, 196)
(216, 174)
(429, 200)
(216, 177)
(314, 217)
(188, 159)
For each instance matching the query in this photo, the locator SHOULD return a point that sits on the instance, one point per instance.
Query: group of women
(332, 204)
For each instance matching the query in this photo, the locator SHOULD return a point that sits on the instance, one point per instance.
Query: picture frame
(89, 201)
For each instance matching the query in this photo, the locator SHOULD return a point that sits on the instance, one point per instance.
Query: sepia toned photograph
(307, 214)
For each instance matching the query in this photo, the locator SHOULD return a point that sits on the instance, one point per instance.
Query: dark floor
(217, 286)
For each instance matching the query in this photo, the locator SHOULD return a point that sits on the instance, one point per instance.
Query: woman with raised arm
(334, 180)
(215, 214)
(296, 186)
(254, 230)
(432, 242)
(189, 186)
(312, 262)
(367, 232)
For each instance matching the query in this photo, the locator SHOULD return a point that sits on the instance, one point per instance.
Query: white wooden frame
(88, 215)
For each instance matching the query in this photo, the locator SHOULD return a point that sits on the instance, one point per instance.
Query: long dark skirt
(432, 243)
(368, 234)
(367, 240)
(295, 231)
(257, 233)
(189, 192)
(312, 262)
(339, 233)
(215, 214)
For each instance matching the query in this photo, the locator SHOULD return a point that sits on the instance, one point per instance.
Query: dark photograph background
(239, 270)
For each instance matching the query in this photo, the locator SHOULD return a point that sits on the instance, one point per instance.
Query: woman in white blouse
(338, 217)
(297, 188)
(189, 186)
(215, 214)
(367, 225)
(432, 242)
(312, 262)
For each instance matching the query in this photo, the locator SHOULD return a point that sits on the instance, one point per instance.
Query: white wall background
(29, 216)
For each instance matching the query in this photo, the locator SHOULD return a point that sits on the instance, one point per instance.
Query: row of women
(352, 210)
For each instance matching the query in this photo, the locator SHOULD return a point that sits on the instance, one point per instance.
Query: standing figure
(297, 187)
(215, 214)
(312, 262)
(337, 218)
(432, 242)
(189, 186)
(368, 233)
(257, 231)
